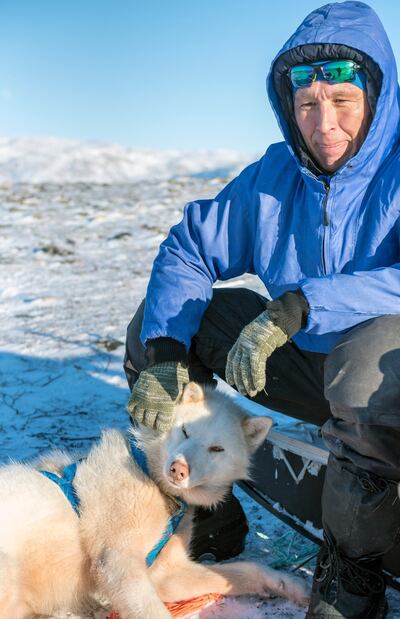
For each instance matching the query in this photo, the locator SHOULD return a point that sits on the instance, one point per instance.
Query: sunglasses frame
(320, 67)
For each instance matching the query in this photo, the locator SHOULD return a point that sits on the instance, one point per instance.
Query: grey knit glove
(155, 394)
(246, 360)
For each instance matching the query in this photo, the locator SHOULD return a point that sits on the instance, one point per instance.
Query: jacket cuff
(163, 349)
(289, 312)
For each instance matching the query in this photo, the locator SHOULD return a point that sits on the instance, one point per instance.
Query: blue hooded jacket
(270, 219)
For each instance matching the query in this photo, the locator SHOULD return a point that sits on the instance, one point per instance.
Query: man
(317, 219)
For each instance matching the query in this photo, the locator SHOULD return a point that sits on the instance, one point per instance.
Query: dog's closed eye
(215, 448)
(185, 434)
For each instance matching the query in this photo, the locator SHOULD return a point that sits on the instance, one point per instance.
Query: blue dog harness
(173, 521)
(65, 483)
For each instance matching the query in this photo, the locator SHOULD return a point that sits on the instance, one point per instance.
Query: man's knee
(134, 360)
(232, 308)
(229, 311)
(362, 373)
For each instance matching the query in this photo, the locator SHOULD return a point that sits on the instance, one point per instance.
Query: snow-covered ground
(74, 264)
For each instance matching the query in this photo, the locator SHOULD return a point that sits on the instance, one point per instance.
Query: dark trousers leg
(362, 383)
(294, 378)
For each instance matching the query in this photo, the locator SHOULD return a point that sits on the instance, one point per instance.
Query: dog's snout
(179, 470)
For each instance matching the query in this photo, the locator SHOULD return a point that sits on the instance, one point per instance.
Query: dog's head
(208, 447)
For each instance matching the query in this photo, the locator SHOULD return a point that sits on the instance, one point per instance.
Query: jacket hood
(345, 30)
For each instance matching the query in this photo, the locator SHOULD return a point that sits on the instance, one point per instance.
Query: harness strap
(173, 522)
(138, 455)
(65, 484)
(172, 525)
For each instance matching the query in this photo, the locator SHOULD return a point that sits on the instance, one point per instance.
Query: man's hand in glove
(156, 392)
(247, 359)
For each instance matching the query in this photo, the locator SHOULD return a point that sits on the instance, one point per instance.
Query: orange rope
(179, 609)
(184, 607)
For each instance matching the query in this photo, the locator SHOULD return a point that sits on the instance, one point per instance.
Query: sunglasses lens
(338, 72)
(301, 75)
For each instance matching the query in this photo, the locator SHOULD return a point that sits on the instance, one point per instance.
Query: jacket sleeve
(213, 241)
(341, 301)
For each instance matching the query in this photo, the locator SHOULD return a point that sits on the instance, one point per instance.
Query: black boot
(219, 533)
(346, 588)
(361, 516)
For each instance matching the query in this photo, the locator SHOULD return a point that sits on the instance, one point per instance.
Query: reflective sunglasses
(333, 71)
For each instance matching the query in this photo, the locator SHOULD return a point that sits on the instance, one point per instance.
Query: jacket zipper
(326, 224)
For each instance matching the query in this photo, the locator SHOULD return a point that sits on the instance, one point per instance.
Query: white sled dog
(51, 558)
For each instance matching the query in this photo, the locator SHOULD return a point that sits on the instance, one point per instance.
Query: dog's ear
(192, 394)
(255, 430)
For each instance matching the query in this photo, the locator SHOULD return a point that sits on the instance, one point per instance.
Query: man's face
(334, 120)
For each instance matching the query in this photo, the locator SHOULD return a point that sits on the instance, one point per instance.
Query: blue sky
(152, 74)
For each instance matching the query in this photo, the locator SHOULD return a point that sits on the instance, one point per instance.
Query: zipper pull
(326, 218)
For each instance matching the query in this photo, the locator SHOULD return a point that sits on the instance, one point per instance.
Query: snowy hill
(55, 160)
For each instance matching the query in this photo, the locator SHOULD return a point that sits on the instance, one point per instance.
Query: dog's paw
(284, 585)
(294, 589)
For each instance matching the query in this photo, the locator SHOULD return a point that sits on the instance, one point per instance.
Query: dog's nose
(179, 470)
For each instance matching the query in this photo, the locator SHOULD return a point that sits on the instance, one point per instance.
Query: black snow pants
(353, 393)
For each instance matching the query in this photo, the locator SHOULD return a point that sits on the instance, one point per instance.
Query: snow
(55, 160)
(74, 264)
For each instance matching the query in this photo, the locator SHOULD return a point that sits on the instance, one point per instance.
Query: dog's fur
(50, 558)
